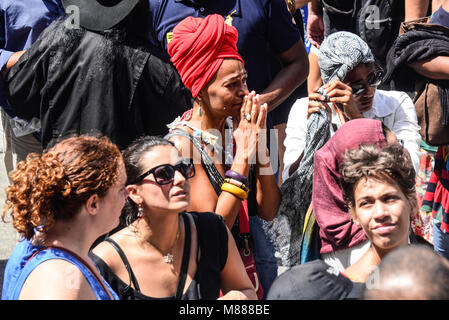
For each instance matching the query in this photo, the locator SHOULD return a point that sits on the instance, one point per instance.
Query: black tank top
(213, 245)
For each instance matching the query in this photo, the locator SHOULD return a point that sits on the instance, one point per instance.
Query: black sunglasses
(373, 80)
(165, 173)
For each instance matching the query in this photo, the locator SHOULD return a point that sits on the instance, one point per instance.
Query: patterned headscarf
(341, 52)
(198, 48)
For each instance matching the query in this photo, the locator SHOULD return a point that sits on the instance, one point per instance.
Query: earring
(139, 211)
(200, 109)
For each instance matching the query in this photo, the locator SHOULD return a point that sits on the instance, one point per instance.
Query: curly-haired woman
(60, 203)
(379, 188)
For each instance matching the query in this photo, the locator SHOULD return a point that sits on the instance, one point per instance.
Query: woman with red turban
(227, 124)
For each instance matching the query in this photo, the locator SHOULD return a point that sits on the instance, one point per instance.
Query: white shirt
(394, 109)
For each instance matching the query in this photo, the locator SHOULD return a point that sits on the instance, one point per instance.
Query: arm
(268, 196)
(415, 9)
(25, 81)
(301, 3)
(235, 283)
(406, 128)
(13, 58)
(435, 68)
(314, 80)
(295, 140)
(285, 41)
(292, 75)
(315, 26)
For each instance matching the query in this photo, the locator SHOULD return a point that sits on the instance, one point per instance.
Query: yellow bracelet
(236, 191)
(237, 184)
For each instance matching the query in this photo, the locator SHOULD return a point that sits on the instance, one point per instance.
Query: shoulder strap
(214, 176)
(132, 277)
(185, 259)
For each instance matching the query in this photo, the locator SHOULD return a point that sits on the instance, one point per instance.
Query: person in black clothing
(165, 252)
(101, 76)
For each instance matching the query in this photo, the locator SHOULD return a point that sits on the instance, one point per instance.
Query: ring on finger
(248, 117)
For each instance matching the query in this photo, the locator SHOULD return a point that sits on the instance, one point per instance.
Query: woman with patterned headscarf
(350, 78)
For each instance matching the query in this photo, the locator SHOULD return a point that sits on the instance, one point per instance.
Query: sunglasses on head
(374, 79)
(165, 173)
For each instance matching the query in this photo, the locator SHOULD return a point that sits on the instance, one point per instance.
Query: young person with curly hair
(60, 203)
(379, 187)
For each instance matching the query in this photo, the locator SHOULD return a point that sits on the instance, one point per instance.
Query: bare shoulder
(56, 279)
(183, 144)
(109, 254)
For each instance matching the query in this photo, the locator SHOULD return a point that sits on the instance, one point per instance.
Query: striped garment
(436, 198)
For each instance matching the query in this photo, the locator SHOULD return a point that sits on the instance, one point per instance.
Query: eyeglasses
(373, 80)
(165, 173)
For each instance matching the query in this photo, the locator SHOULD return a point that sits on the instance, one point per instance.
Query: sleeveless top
(26, 257)
(211, 259)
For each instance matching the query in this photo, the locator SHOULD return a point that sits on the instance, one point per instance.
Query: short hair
(411, 272)
(133, 164)
(53, 186)
(369, 161)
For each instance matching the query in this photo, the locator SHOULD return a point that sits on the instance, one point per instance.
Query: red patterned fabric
(436, 198)
(198, 48)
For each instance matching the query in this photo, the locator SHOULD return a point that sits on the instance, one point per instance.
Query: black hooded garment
(81, 82)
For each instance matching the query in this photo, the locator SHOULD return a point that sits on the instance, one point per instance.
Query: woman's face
(362, 75)
(174, 196)
(383, 211)
(227, 89)
(115, 198)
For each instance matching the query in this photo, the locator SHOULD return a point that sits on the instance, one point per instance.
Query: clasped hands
(250, 131)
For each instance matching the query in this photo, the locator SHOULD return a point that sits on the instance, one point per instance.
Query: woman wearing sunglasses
(164, 252)
(350, 78)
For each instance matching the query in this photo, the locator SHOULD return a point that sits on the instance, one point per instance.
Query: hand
(340, 94)
(12, 61)
(315, 29)
(316, 102)
(247, 133)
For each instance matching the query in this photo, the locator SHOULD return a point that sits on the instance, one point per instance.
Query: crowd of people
(166, 150)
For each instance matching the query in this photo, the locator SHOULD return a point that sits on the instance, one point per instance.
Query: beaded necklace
(207, 137)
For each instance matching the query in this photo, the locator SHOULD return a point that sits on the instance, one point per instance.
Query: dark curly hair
(390, 162)
(52, 187)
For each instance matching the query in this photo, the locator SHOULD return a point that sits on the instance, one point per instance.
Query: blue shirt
(21, 23)
(262, 25)
(440, 17)
(22, 262)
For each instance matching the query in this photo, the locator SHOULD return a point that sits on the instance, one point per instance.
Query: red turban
(198, 48)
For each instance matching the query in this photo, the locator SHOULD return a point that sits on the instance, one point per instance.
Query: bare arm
(415, 9)
(314, 80)
(315, 26)
(292, 75)
(235, 283)
(268, 194)
(12, 61)
(436, 68)
(301, 3)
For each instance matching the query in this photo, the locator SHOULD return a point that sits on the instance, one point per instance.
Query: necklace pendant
(168, 258)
